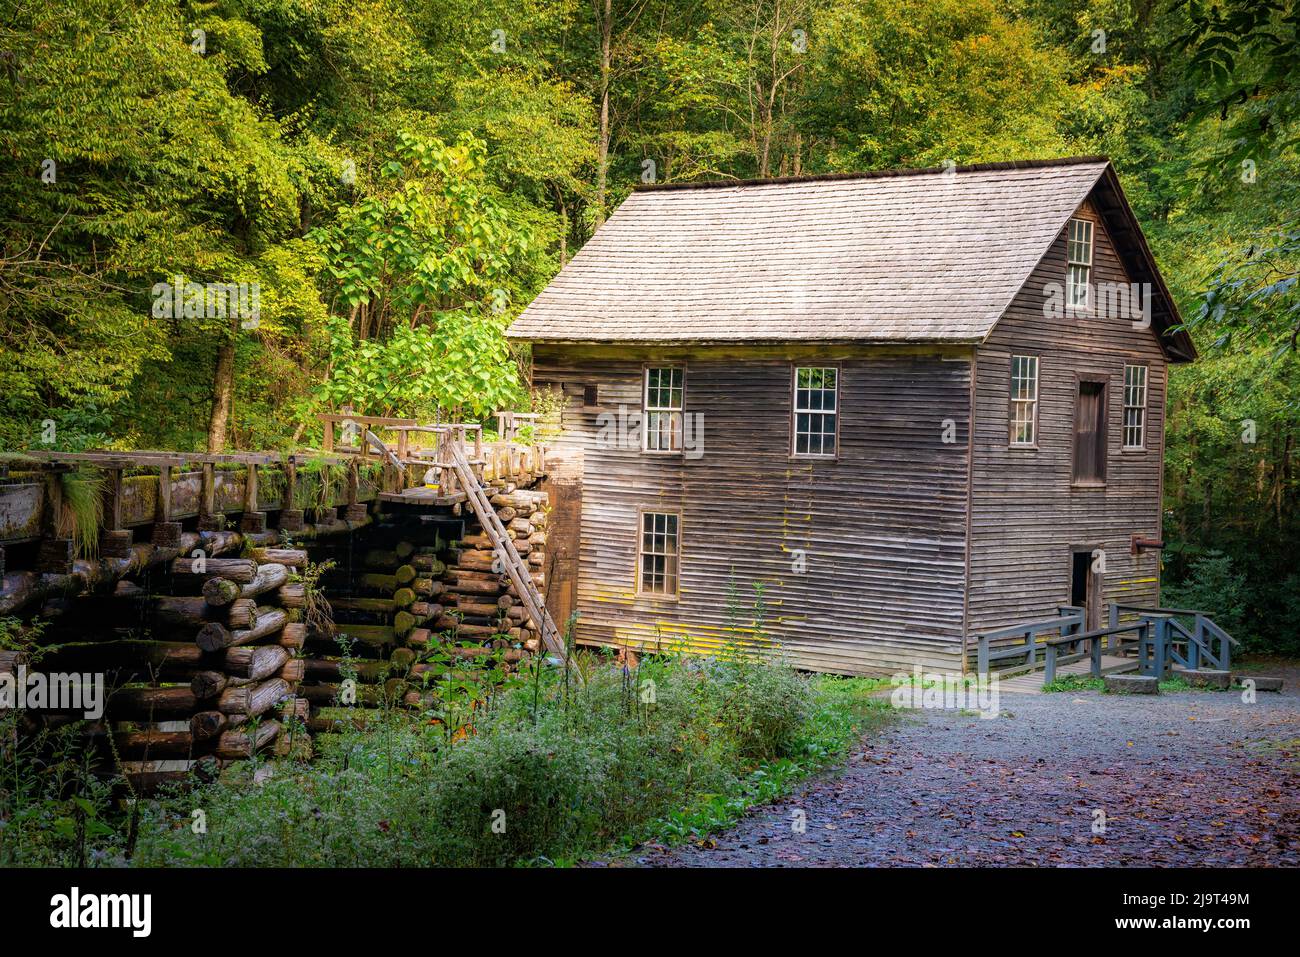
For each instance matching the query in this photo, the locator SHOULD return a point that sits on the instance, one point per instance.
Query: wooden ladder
(510, 558)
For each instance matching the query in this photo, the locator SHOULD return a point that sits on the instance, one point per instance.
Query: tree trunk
(223, 394)
(606, 24)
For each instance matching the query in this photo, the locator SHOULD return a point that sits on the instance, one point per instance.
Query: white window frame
(1136, 394)
(654, 428)
(666, 544)
(1023, 409)
(1078, 264)
(802, 406)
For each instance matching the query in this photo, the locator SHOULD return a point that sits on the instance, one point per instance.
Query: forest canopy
(395, 179)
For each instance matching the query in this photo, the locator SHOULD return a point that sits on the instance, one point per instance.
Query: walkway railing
(1203, 645)
(1001, 644)
(1160, 640)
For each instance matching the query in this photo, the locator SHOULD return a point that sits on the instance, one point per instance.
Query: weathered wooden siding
(883, 528)
(1025, 512)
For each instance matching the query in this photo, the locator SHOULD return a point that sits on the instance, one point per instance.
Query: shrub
(554, 771)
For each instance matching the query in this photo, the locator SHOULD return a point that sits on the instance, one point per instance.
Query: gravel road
(1074, 779)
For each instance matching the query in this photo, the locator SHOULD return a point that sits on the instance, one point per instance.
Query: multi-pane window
(658, 553)
(816, 410)
(1078, 257)
(1024, 400)
(1135, 406)
(664, 389)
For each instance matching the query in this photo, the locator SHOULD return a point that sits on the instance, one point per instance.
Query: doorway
(1085, 587)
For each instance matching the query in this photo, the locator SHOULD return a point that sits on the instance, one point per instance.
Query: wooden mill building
(912, 406)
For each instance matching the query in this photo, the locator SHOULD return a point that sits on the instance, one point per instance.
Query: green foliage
(583, 769)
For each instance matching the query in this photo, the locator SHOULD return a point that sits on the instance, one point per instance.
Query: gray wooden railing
(1205, 644)
(1098, 640)
(1000, 644)
(1160, 641)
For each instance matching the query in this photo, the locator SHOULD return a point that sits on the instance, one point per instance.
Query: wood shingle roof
(903, 256)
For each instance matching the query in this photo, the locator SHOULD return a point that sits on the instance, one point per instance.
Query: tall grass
(555, 772)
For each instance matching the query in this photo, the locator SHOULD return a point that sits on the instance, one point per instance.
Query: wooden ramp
(1032, 682)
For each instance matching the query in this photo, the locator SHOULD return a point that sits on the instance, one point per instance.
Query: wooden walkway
(1032, 682)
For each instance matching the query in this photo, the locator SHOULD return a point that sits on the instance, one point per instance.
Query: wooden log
(219, 592)
(335, 669)
(404, 575)
(403, 597)
(255, 661)
(240, 570)
(152, 703)
(492, 588)
(243, 613)
(447, 623)
(294, 670)
(253, 700)
(403, 622)
(293, 557)
(428, 565)
(374, 635)
(294, 636)
(477, 560)
(234, 745)
(154, 744)
(208, 684)
(468, 606)
(378, 606)
(424, 611)
(427, 587)
(214, 637)
(206, 725)
(293, 595)
(419, 638)
(273, 575)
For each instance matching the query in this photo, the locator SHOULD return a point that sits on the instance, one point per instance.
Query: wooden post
(55, 553)
(209, 519)
(114, 540)
(253, 520)
(166, 533)
(328, 441)
(291, 518)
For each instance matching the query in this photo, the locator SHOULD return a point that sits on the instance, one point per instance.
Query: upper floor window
(664, 393)
(1024, 400)
(658, 551)
(1090, 434)
(816, 411)
(1135, 406)
(1078, 257)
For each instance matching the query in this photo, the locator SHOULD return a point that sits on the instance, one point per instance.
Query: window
(1135, 407)
(1078, 257)
(816, 411)
(1024, 400)
(664, 389)
(1090, 434)
(658, 554)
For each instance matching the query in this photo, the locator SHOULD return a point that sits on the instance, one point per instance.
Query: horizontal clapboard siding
(883, 528)
(1025, 513)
